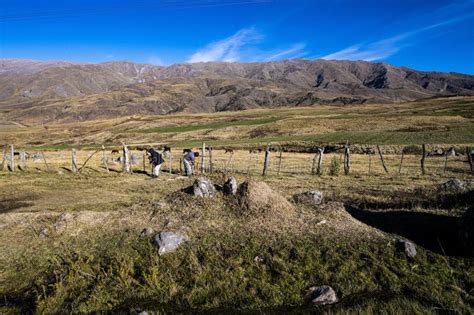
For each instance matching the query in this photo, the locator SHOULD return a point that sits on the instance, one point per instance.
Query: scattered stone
(406, 246)
(322, 295)
(453, 186)
(313, 197)
(147, 232)
(230, 186)
(63, 220)
(322, 222)
(451, 152)
(43, 233)
(169, 241)
(158, 205)
(259, 259)
(203, 187)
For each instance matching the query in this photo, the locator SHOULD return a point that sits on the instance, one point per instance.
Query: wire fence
(238, 161)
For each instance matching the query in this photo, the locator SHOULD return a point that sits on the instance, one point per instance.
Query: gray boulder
(230, 186)
(321, 295)
(406, 246)
(169, 241)
(43, 233)
(453, 186)
(313, 197)
(203, 187)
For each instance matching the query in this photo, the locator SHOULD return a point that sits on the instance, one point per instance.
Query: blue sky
(425, 35)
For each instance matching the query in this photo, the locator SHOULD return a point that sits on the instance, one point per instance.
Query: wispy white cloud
(385, 48)
(228, 49)
(244, 46)
(294, 51)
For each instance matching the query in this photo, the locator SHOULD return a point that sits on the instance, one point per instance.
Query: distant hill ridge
(58, 90)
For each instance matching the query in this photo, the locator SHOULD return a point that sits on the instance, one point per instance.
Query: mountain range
(47, 91)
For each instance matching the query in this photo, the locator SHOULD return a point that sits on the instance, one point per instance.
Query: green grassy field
(93, 260)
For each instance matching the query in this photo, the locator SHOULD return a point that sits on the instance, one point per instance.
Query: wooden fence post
(347, 161)
(279, 161)
(401, 162)
(381, 159)
(12, 158)
(370, 161)
(320, 161)
(469, 158)
(104, 159)
(266, 161)
(203, 165)
(3, 158)
(211, 164)
(23, 160)
(126, 160)
(171, 163)
(423, 149)
(445, 162)
(73, 161)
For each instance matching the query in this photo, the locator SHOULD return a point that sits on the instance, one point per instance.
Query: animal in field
(228, 150)
(166, 149)
(258, 150)
(114, 152)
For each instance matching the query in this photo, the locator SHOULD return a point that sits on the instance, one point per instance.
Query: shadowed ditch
(438, 233)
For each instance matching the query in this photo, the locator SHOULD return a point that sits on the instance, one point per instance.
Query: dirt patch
(257, 198)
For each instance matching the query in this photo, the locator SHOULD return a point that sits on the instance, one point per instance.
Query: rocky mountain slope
(70, 92)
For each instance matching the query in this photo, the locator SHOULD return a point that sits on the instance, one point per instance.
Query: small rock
(44, 232)
(322, 222)
(147, 232)
(169, 241)
(259, 259)
(408, 247)
(309, 197)
(230, 186)
(159, 205)
(453, 186)
(203, 187)
(321, 295)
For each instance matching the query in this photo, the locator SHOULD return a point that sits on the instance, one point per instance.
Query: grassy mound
(257, 198)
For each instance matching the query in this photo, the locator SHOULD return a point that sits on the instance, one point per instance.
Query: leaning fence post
(211, 164)
(104, 159)
(12, 158)
(44, 160)
(401, 162)
(73, 161)
(203, 165)
(469, 158)
(266, 161)
(320, 161)
(423, 149)
(381, 159)
(445, 162)
(347, 161)
(126, 160)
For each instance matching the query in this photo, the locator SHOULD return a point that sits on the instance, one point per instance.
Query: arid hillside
(69, 92)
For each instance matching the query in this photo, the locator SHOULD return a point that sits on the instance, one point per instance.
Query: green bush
(335, 166)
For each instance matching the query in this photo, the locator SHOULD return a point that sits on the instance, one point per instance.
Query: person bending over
(188, 161)
(156, 160)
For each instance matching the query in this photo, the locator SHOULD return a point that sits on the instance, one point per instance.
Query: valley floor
(71, 242)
